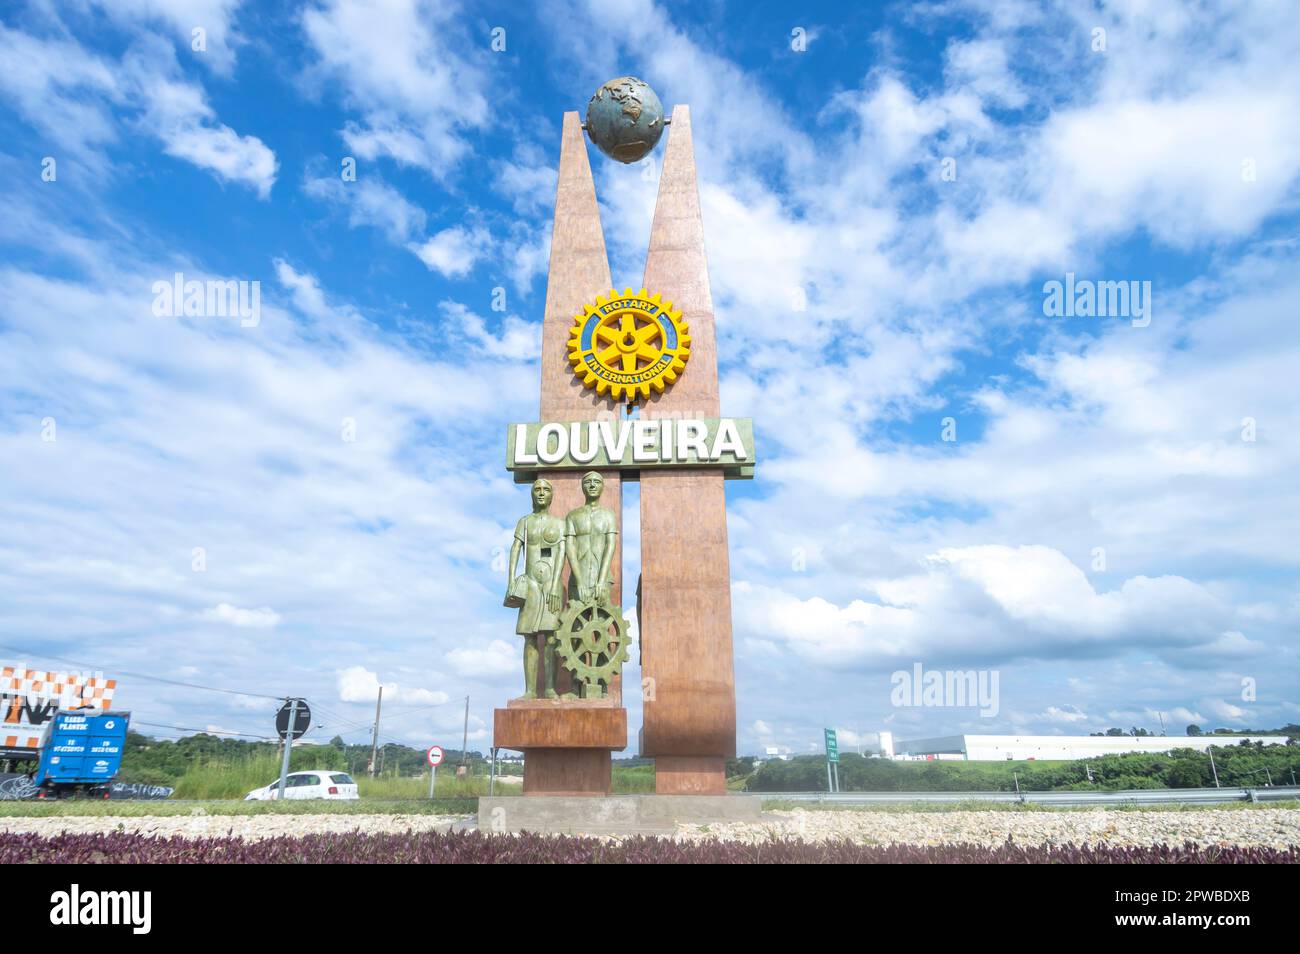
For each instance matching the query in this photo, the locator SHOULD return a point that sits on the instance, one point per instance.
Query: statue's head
(542, 493)
(592, 485)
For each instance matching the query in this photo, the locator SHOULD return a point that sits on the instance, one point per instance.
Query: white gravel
(252, 827)
(1276, 827)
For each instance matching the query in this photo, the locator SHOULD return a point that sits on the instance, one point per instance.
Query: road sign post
(435, 756)
(832, 762)
(288, 744)
(291, 722)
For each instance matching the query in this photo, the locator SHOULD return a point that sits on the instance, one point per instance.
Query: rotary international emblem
(624, 345)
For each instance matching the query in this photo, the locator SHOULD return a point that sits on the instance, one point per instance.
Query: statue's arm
(571, 552)
(607, 558)
(515, 546)
(557, 574)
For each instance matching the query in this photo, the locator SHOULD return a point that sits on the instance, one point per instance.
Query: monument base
(690, 775)
(566, 744)
(615, 814)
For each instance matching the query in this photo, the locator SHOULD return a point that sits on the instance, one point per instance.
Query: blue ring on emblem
(588, 330)
(670, 333)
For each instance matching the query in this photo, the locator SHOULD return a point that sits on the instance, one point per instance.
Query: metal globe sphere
(625, 119)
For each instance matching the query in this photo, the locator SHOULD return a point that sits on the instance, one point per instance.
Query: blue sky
(1101, 532)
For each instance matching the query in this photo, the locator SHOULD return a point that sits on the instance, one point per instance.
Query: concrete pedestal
(566, 745)
(690, 775)
(615, 814)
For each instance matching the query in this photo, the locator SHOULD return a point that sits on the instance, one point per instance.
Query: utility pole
(374, 739)
(1210, 749)
(465, 738)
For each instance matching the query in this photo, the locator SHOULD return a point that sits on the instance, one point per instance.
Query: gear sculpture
(627, 344)
(592, 643)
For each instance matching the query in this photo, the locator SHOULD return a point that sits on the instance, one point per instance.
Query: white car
(318, 784)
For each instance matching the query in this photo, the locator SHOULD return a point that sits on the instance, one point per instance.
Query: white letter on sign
(728, 441)
(576, 450)
(614, 449)
(691, 437)
(544, 434)
(521, 446)
(643, 443)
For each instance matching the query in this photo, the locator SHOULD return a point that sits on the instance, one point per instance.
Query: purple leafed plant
(477, 848)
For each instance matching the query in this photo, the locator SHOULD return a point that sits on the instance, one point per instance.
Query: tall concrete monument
(629, 391)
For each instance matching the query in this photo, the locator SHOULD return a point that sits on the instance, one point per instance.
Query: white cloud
(1225, 710)
(453, 252)
(358, 684)
(1185, 715)
(177, 112)
(308, 297)
(981, 66)
(991, 601)
(263, 618)
(183, 17)
(61, 88)
(1066, 715)
(401, 65)
(518, 340)
(67, 90)
(497, 658)
(370, 201)
(528, 179)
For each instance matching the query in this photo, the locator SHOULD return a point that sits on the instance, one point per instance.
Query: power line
(187, 728)
(138, 675)
(339, 726)
(349, 726)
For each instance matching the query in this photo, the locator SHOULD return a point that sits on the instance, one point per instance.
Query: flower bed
(475, 848)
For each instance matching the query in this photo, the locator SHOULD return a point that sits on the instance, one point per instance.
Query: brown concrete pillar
(579, 271)
(686, 650)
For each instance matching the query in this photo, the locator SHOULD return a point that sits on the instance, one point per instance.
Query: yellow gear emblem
(627, 344)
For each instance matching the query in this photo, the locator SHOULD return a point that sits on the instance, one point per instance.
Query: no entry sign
(435, 755)
(301, 713)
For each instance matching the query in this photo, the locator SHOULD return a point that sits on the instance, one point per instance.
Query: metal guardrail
(1138, 796)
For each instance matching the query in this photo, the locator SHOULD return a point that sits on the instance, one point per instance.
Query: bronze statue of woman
(537, 592)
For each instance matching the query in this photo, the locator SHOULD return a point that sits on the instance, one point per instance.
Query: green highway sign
(832, 747)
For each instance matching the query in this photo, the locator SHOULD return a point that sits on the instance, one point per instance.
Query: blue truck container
(82, 748)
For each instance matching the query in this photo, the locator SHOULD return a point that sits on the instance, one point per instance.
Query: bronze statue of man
(537, 592)
(591, 533)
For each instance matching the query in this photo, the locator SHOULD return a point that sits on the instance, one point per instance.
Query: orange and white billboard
(30, 697)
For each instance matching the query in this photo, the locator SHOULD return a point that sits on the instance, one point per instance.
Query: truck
(81, 752)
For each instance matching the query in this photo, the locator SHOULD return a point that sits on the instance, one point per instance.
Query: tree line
(1248, 765)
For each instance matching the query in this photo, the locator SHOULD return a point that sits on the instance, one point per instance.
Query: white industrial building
(998, 748)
